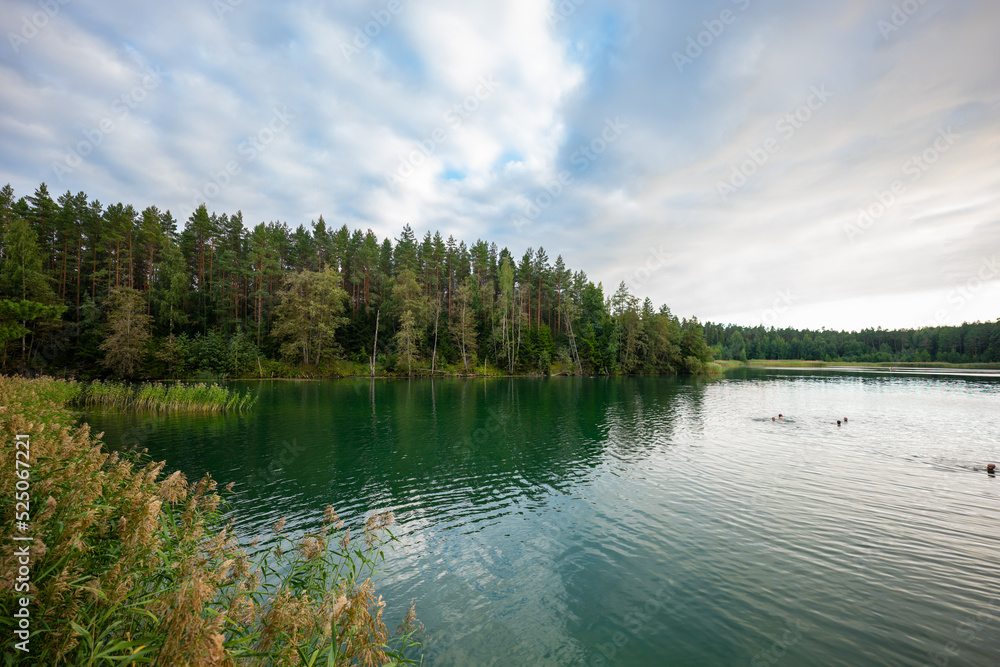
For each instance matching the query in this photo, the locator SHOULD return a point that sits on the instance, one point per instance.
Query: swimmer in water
(772, 419)
(838, 422)
(991, 469)
(781, 416)
(845, 420)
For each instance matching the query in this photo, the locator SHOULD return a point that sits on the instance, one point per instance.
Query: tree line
(976, 342)
(111, 290)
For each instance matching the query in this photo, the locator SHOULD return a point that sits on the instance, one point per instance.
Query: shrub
(128, 566)
(208, 355)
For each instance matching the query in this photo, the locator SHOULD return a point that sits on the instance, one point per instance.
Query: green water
(642, 521)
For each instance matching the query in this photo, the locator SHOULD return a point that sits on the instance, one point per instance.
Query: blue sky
(805, 164)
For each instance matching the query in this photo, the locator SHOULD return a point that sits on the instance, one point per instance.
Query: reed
(158, 397)
(128, 566)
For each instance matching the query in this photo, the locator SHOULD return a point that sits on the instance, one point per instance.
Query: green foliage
(15, 315)
(208, 355)
(170, 357)
(158, 397)
(309, 313)
(128, 330)
(407, 339)
(413, 319)
(463, 327)
(242, 355)
(272, 300)
(970, 343)
(21, 274)
(693, 344)
(31, 307)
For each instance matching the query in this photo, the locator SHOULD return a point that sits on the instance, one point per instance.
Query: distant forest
(90, 290)
(966, 344)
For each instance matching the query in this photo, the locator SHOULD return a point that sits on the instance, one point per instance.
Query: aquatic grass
(158, 397)
(128, 566)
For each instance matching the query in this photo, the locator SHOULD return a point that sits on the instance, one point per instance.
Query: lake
(641, 520)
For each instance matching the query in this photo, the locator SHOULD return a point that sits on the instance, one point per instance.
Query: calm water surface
(642, 521)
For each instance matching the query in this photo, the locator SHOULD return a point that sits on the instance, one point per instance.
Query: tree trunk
(437, 318)
(131, 267)
(79, 272)
(62, 277)
(572, 344)
(149, 282)
(378, 314)
(465, 358)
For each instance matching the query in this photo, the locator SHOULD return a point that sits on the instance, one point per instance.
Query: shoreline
(880, 365)
(716, 369)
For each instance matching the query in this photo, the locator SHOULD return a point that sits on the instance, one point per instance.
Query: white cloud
(357, 117)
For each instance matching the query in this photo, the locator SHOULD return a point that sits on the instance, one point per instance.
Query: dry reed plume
(131, 567)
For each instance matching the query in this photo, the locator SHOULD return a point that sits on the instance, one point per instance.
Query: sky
(808, 164)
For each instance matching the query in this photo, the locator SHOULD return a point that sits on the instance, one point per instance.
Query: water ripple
(644, 520)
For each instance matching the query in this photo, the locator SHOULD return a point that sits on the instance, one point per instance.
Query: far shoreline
(720, 367)
(905, 368)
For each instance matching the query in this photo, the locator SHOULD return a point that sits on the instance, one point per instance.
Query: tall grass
(157, 397)
(129, 567)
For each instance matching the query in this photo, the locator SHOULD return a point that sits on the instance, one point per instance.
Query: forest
(95, 291)
(90, 290)
(970, 343)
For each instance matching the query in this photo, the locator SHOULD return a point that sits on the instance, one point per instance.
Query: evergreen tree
(32, 307)
(42, 215)
(6, 210)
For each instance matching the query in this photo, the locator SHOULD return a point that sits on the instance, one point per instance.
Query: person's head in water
(773, 419)
(990, 468)
(838, 422)
(845, 420)
(781, 416)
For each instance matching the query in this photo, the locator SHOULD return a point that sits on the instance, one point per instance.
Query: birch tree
(309, 311)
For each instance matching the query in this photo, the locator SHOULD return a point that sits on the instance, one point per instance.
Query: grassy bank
(158, 397)
(339, 369)
(118, 564)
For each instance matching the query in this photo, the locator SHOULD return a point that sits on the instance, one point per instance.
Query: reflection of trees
(425, 444)
(643, 414)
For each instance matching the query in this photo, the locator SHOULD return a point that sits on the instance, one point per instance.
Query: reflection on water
(634, 521)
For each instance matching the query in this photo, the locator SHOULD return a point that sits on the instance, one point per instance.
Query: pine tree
(6, 210)
(406, 251)
(43, 215)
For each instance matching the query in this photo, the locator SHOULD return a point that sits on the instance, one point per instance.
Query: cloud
(459, 118)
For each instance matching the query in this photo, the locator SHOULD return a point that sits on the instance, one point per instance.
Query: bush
(277, 369)
(207, 356)
(693, 365)
(129, 566)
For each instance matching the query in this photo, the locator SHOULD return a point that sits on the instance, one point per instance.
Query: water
(642, 521)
